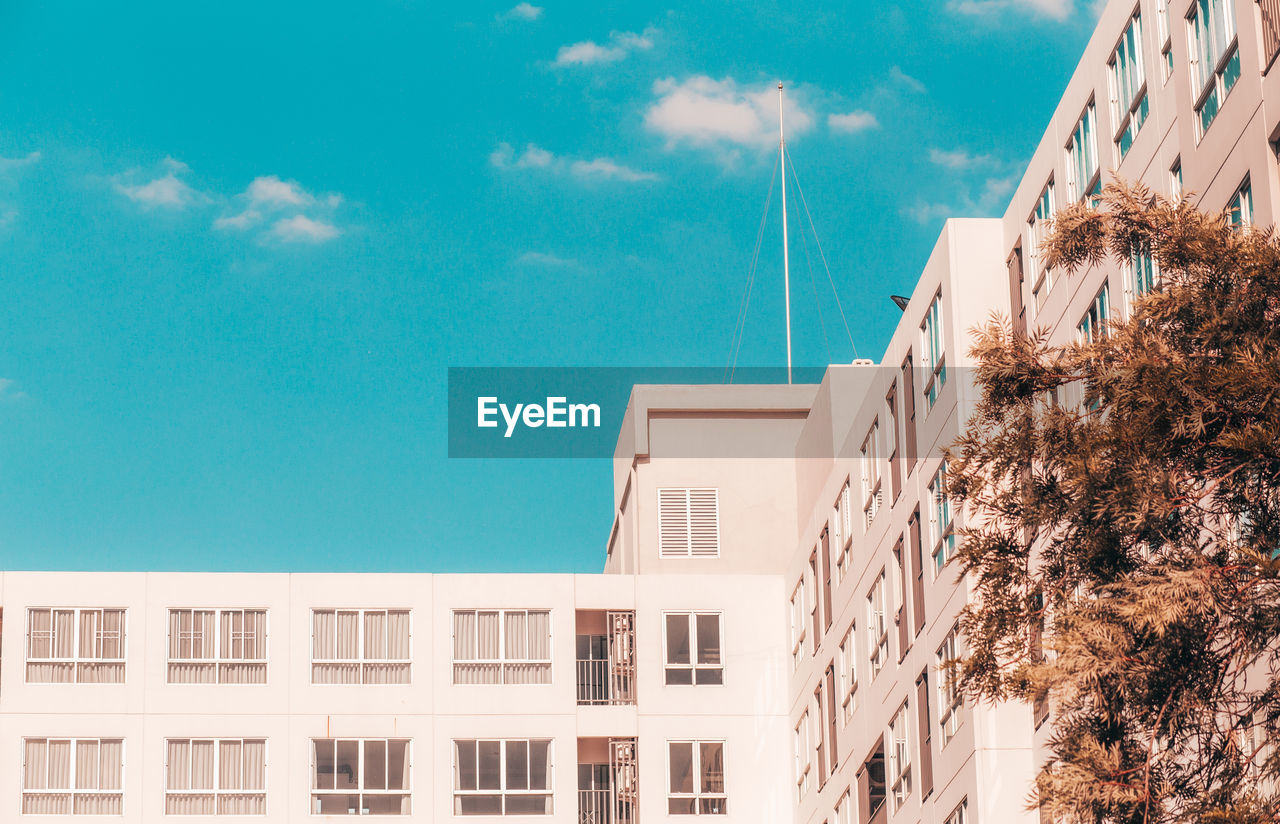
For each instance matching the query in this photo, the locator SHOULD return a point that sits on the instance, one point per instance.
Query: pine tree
(1123, 515)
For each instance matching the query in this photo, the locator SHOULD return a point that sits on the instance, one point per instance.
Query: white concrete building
(763, 643)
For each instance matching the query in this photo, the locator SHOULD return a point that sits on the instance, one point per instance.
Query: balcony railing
(602, 807)
(605, 682)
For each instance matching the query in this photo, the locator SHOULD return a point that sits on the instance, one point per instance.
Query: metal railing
(604, 682)
(602, 807)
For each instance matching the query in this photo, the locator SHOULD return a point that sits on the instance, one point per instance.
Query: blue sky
(240, 248)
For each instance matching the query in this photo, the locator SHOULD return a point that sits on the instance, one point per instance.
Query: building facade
(765, 640)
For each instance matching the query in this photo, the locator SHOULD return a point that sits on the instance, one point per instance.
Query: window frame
(502, 660)
(847, 658)
(950, 696)
(942, 535)
(361, 791)
(698, 795)
(1092, 326)
(799, 617)
(842, 528)
(878, 643)
(898, 778)
(933, 351)
(1133, 112)
(1086, 133)
(361, 660)
(217, 791)
(1038, 227)
(217, 662)
(503, 792)
(803, 743)
(1240, 205)
(72, 790)
(693, 666)
(76, 661)
(1211, 82)
(872, 476)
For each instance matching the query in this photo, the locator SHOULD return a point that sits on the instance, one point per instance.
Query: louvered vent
(688, 523)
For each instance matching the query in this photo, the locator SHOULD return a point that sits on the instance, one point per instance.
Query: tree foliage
(1122, 497)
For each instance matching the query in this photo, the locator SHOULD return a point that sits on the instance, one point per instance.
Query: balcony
(607, 789)
(606, 665)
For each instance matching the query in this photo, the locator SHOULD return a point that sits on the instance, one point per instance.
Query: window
(960, 815)
(73, 645)
(848, 674)
(899, 757)
(844, 809)
(72, 776)
(1038, 226)
(842, 530)
(695, 772)
(1142, 269)
(1083, 179)
(1166, 49)
(502, 777)
(798, 624)
(693, 648)
(1128, 86)
(1215, 57)
(501, 646)
(360, 646)
(877, 626)
(804, 751)
(223, 646)
(1240, 210)
(950, 699)
(360, 776)
(215, 776)
(689, 523)
(871, 494)
(1175, 179)
(940, 516)
(934, 360)
(1094, 324)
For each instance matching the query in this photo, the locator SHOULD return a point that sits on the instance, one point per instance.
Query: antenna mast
(786, 261)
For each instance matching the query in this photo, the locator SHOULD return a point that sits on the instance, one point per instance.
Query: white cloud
(959, 159)
(536, 157)
(706, 112)
(1054, 9)
(9, 392)
(605, 169)
(243, 220)
(302, 229)
(167, 192)
(901, 78)
(991, 198)
(854, 121)
(548, 260)
(270, 190)
(12, 163)
(588, 52)
(523, 11)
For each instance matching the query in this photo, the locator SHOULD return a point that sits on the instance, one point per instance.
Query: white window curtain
(360, 646)
(68, 645)
(240, 768)
(48, 767)
(502, 646)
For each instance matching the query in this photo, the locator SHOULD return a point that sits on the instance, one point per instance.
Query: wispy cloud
(547, 260)
(522, 11)
(168, 191)
(8, 164)
(9, 391)
(980, 186)
(900, 78)
(602, 168)
(619, 45)
(850, 122)
(302, 229)
(722, 115)
(1053, 9)
(960, 159)
(533, 157)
